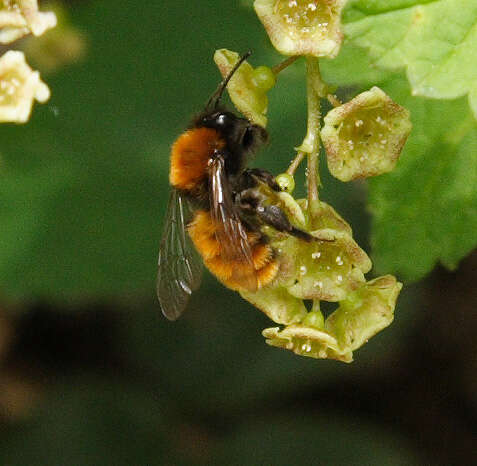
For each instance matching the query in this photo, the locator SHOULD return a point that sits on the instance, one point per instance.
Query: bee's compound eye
(248, 138)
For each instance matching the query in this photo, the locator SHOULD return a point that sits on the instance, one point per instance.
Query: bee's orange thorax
(202, 232)
(190, 155)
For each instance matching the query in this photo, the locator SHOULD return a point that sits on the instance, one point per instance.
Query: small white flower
(21, 17)
(19, 86)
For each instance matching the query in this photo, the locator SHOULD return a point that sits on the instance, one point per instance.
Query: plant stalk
(284, 64)
(316, 89)
(296, 162)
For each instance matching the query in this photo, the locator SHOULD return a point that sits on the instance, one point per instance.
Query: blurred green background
(90, 371)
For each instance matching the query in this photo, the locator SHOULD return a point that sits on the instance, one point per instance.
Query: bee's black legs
(275, 217)
(249, 178)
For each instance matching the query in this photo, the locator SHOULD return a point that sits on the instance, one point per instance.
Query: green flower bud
(286, 182)
(364, 137)
(263, 78)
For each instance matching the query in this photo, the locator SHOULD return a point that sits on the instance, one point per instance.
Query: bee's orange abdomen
(232, 273)
(202, 232)
(190, 155)
(267, 273)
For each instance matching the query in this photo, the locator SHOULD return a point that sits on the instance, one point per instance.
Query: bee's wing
(231, 234)
(180, 266)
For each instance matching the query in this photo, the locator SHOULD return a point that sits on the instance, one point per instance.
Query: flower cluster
(363, 137)
(332, 269)
(21, 17)
(19, 84)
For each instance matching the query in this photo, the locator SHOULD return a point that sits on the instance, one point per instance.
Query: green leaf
(425, 210)
(353, 67)
(435, 40)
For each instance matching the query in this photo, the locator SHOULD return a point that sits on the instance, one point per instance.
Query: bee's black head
(242, 137)
(237, 131)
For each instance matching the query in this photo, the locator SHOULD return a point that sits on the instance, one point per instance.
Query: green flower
(365, 312)
(303, 27)
(326, 269)
(307, 341)
(359, 317)
(364, 137)
(248, 87)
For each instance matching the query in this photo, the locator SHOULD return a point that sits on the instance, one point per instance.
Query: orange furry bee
(217, 208)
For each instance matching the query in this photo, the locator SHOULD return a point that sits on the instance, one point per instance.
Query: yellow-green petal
(247, 89)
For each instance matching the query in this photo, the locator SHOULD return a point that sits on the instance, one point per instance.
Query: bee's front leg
(273, 216)
(255, 207)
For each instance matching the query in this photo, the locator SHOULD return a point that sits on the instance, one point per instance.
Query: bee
(218, 207)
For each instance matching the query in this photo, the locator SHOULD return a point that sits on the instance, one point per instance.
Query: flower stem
(316, 89)
(284, 64)
(317, 310)
(296, 162)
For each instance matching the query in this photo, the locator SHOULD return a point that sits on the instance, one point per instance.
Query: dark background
(90, 371)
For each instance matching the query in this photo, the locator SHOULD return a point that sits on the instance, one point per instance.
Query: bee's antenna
(217, 95)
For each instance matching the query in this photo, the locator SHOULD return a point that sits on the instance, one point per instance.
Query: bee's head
(241, 135)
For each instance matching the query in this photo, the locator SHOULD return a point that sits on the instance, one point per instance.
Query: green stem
(316, 306)
(284, 64)
(315, 317)
(317, 309)
(296, 162)
(316, 90)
